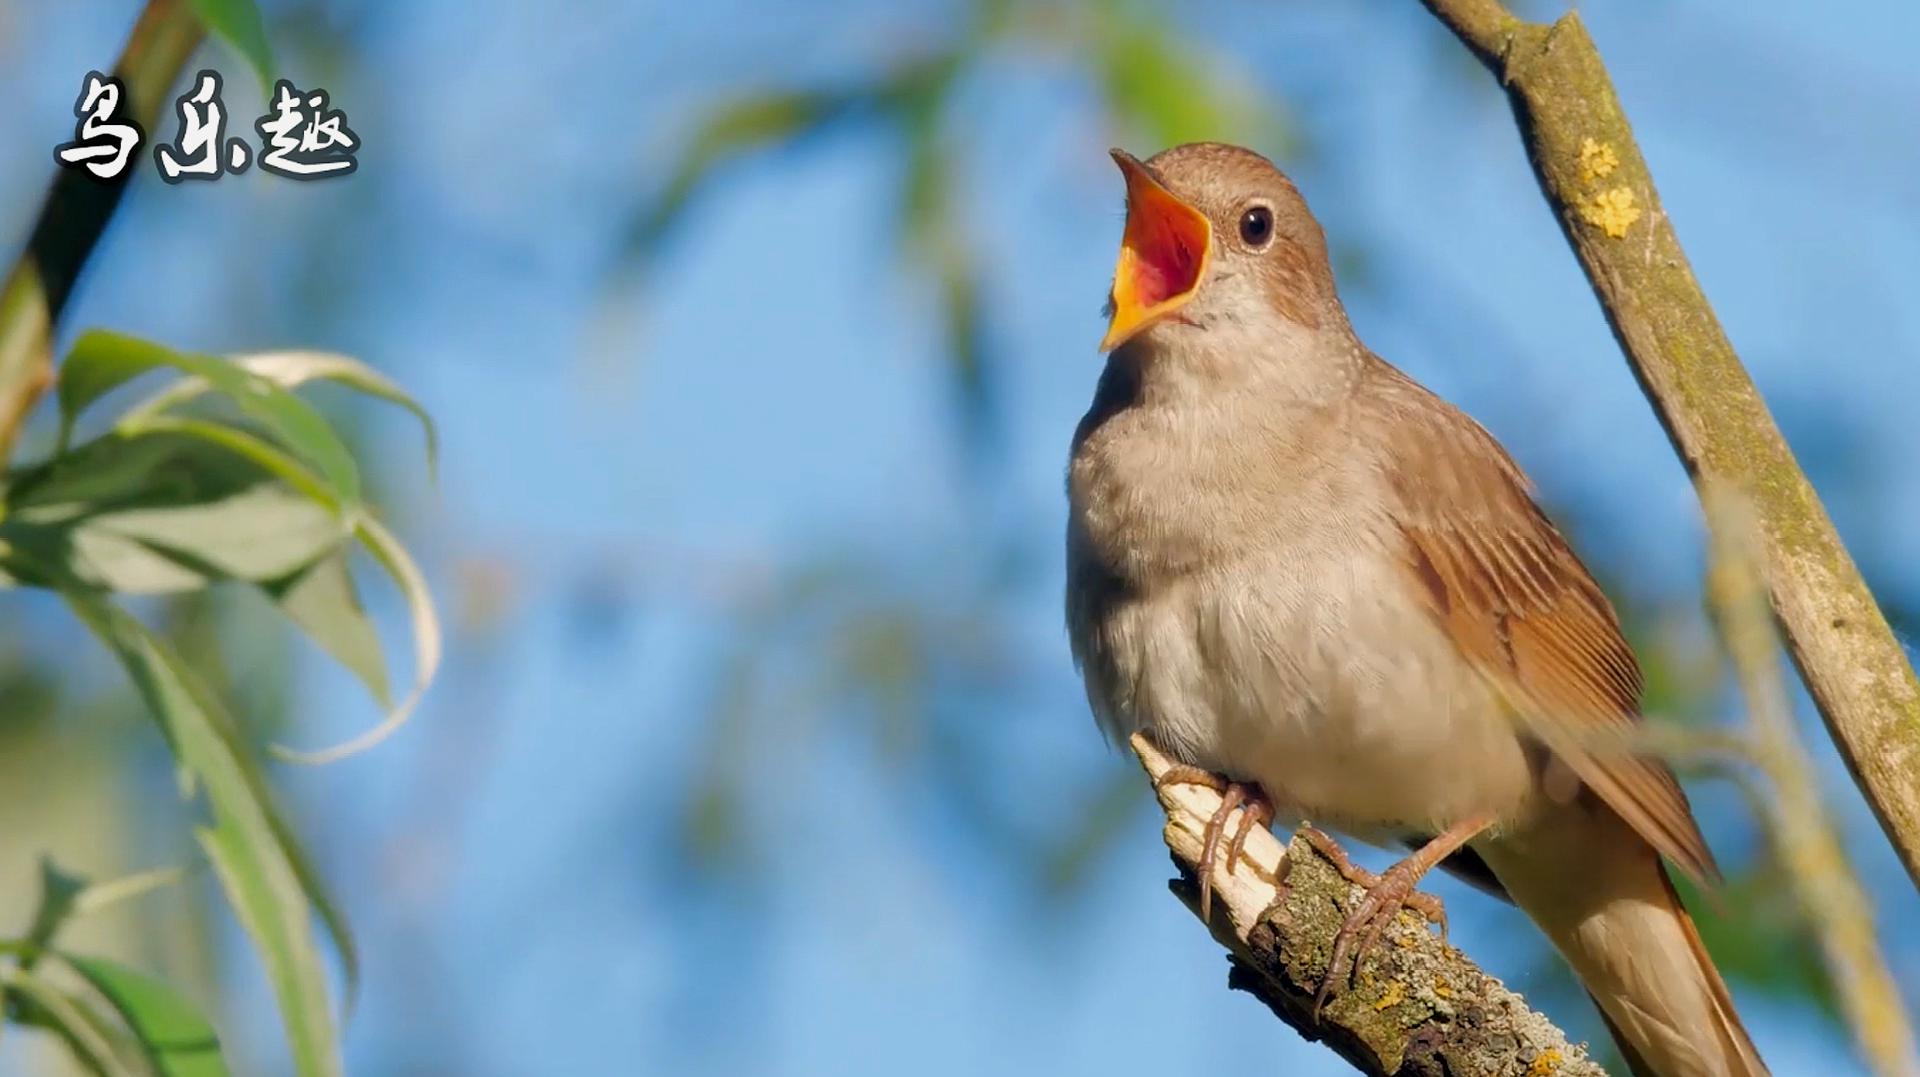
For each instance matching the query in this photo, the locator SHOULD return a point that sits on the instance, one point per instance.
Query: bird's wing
(1515, 599)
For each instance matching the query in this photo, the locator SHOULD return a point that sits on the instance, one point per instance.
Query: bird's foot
(1254, 807)
(1386, 894)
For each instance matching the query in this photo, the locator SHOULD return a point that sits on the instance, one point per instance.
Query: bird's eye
(1256, 226)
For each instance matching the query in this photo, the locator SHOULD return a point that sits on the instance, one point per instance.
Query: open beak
(1163, 254)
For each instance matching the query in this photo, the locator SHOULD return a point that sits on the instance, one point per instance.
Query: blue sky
(631, 468)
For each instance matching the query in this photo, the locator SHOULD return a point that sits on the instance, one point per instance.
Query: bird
(1330, 594)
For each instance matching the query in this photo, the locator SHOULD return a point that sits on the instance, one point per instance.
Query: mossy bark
(1598, 185)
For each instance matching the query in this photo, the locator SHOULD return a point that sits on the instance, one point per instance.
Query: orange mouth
(1163, 254)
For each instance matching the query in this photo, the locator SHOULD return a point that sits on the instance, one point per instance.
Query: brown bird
(1291, 566)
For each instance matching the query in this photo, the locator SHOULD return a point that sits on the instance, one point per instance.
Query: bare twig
(1594, 177)
(1816, 867)
(1418, 1006)
(75, 215)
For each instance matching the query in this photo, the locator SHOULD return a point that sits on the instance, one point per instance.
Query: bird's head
(1215, 234)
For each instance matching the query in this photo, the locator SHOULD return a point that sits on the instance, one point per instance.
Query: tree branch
(76, 213)
(1419, 1008)
(1593, 176)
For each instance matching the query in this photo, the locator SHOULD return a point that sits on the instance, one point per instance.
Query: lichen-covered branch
(1594, 177)
(1417, 1008)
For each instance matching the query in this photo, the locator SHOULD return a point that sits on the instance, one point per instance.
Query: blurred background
(756, 333)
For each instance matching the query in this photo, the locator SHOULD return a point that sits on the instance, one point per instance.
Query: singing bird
(1329, 593)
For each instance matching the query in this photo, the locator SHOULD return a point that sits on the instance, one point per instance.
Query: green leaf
(173, 1034)
(58, 892)
(927, 219)
(253, 854)
(122, 470)
(1170, 91)
(238, 23)
(266, 897)
(321, 599)
(97, 896)
(64, 896)
(87, 1034)
(250, 447)
(293, 369)
(323, 904)
(334, 619)
(261, 533)
(393, 557)
(166, 511)
(910, 93)
(762, 121)
(102, 361)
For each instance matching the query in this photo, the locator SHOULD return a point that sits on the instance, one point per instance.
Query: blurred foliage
(900, 670)
(238, 23)
(1157, 88)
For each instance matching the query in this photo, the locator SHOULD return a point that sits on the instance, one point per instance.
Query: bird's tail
(1603, 897)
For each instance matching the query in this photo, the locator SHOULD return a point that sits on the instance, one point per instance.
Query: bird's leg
(1254, 807)
(1386, 894)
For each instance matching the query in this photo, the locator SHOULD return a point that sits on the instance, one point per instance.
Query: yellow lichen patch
(1612, 211)
(1395, 992)
(1597, 160)
(1440, 988)
(1545, 1063)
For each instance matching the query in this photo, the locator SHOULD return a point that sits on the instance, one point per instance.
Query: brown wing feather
(1520, 605)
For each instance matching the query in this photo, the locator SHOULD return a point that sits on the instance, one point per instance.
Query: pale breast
(1245, 616)
(1316, 678)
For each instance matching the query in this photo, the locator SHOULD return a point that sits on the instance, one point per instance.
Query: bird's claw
(1254, 807)
(1386, 894)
